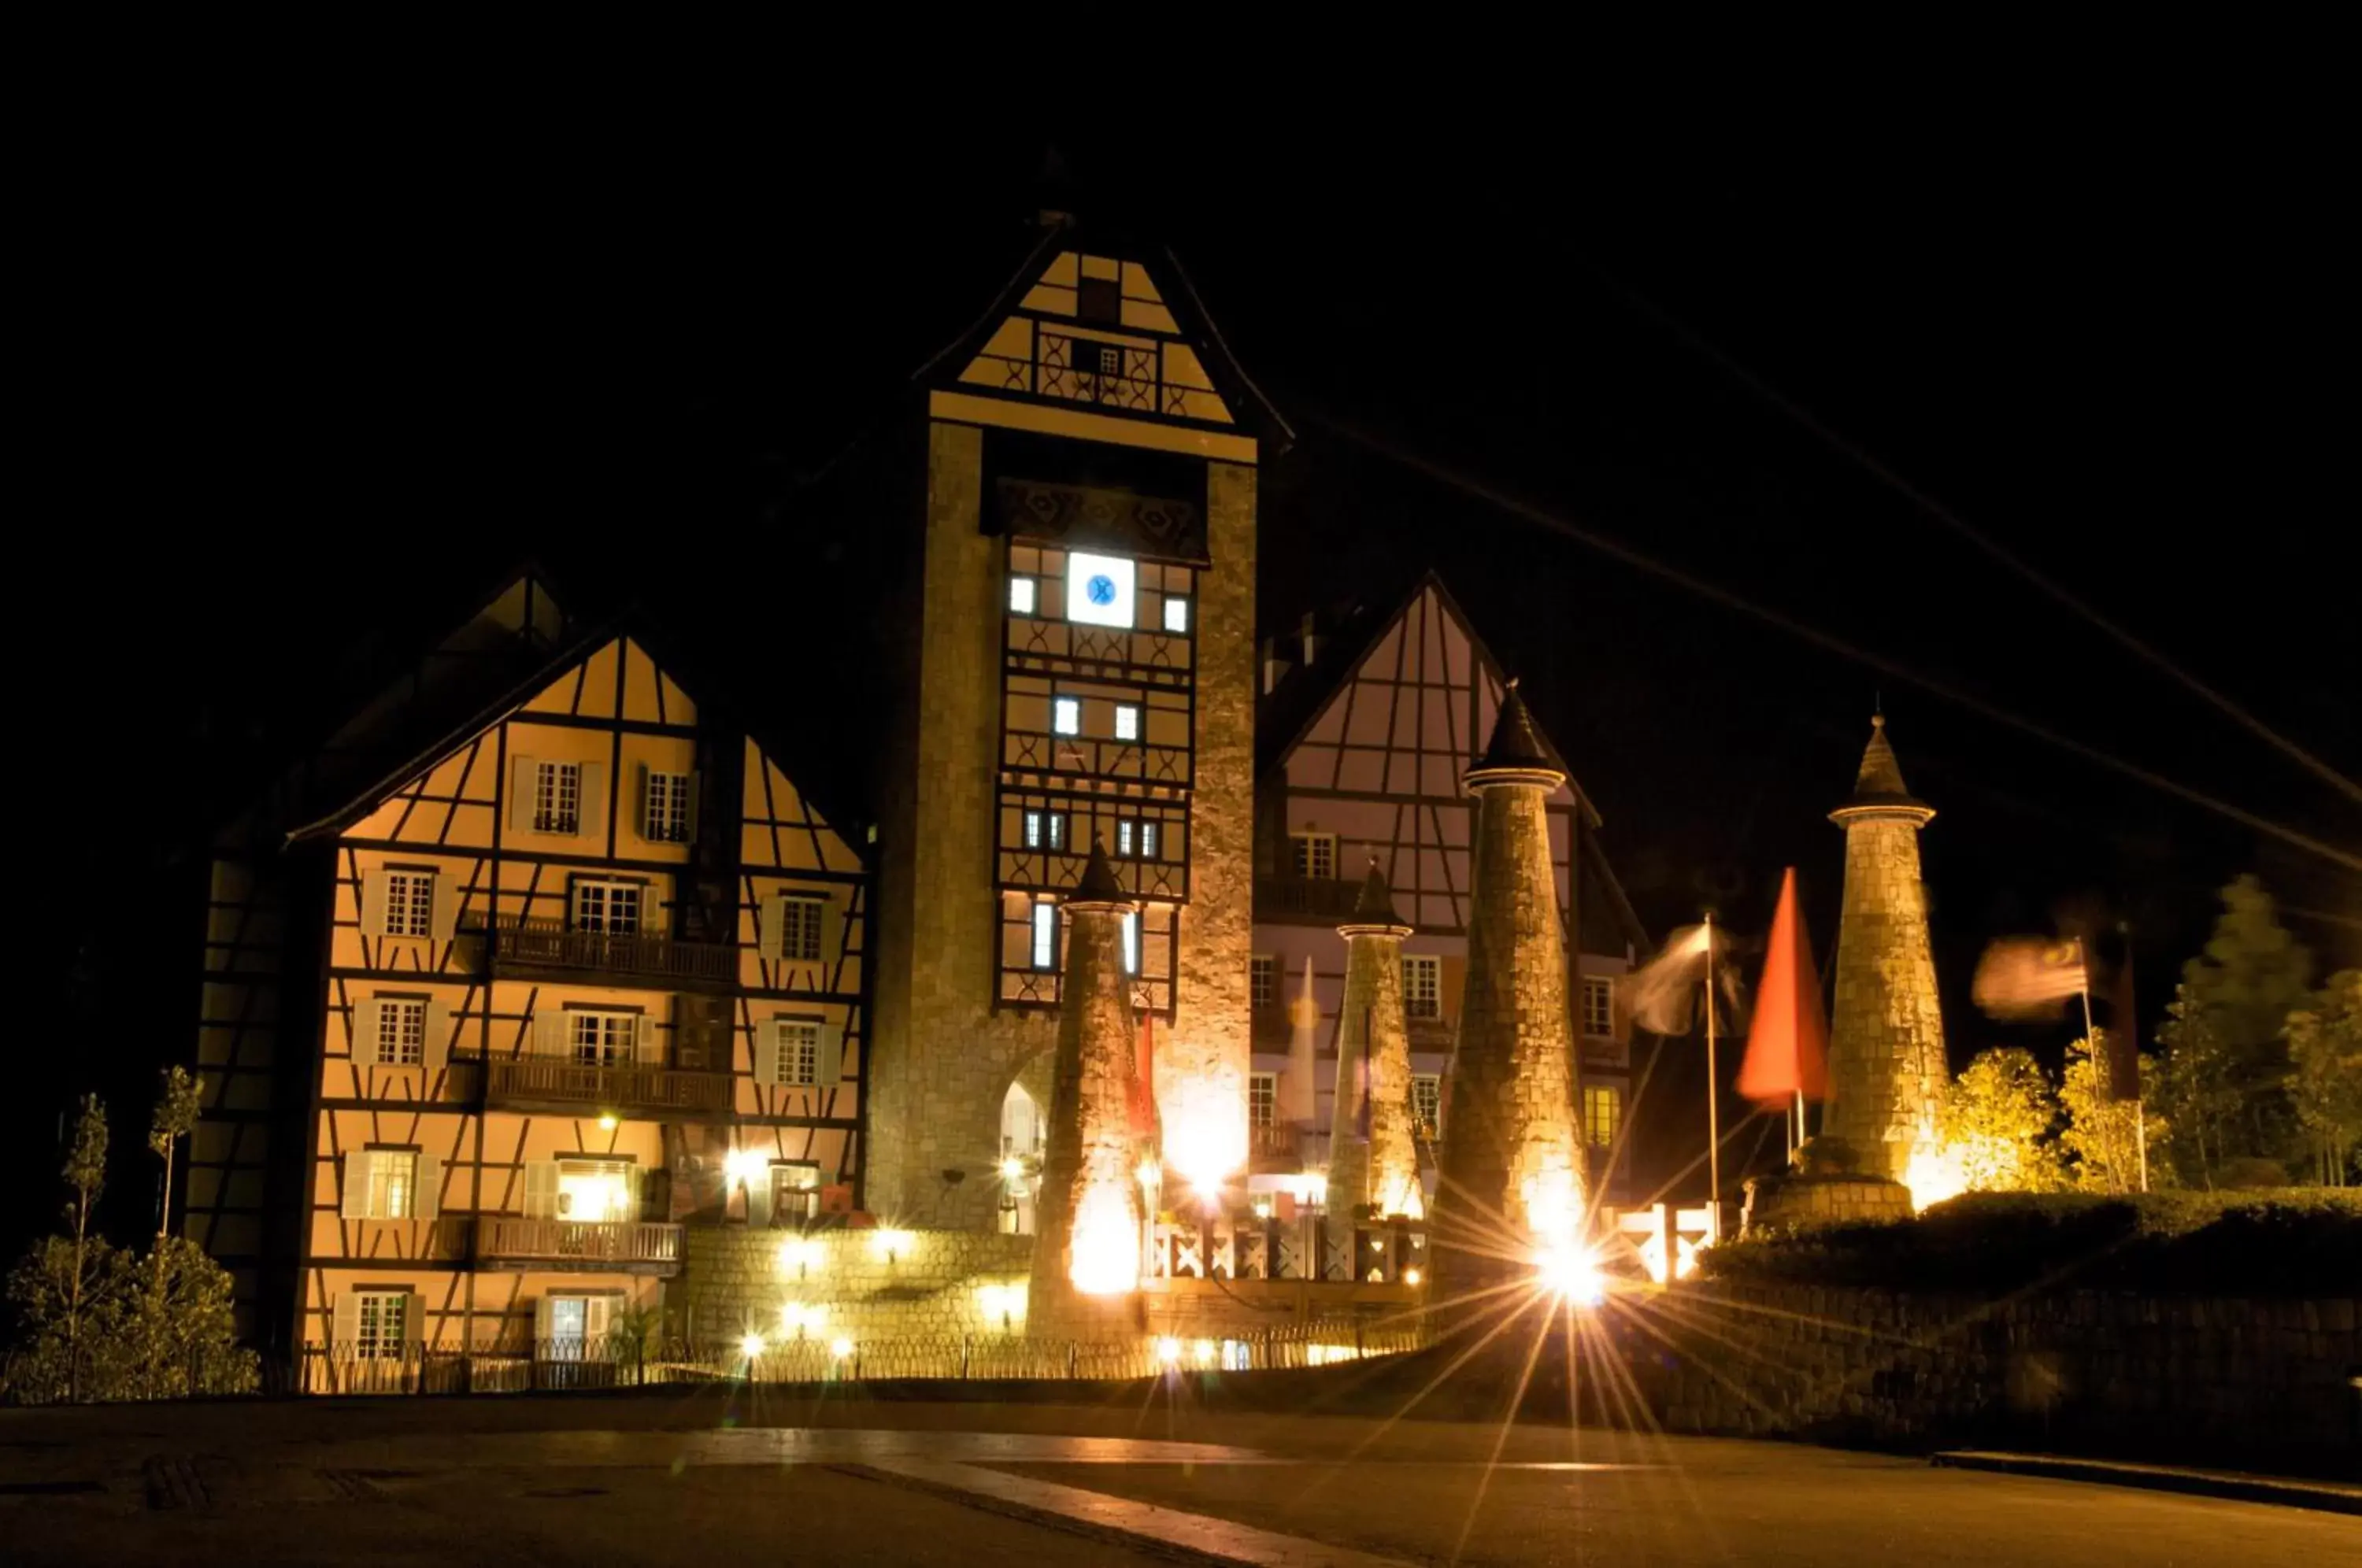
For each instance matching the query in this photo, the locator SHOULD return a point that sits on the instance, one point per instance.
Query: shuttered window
(380, 1318)
(1426, 1102)
(800, 929)
(392, 1183)
(664, 816)
(603, 1039)
(799, 1052)
(605, 905)
(1603, 1110)
(409, 903)
(1598, 1005)
(558, 797)
(1422, 979)
(400, 1031)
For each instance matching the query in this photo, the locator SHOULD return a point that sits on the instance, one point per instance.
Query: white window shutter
(374, 901)
(524, 775)
(368, 1018)
(767, 1051)
(438, 1037)
(345, 1319)
(549, 1032)
(413, 1323)
(648, 1045)
(831, 927)
(759, 1198)
(831, 1067)
(354, 1205)
(773, 925)
(591, 821)
(541, 1189)
(647, 801)
(544, 1315)
(428, 1195)
(443, 910)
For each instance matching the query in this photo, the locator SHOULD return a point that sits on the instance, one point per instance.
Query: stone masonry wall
(864, 1285)
(2243, 1381)
(1378, 1166)
(1886, 1030)
(1089, 1196)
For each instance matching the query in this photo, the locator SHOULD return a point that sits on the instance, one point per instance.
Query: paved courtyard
(705, 1478)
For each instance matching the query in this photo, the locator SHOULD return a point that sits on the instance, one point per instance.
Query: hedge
(2290, 1244)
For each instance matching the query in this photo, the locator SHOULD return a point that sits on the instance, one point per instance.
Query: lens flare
(1934, 1174)
(1105, 1260)
(1570, 1273)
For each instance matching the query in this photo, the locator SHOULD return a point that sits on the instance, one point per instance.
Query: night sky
(294, 391)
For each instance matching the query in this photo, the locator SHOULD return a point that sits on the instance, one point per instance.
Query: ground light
(1570, 1273)
(750, 1345)
(1168, 1351)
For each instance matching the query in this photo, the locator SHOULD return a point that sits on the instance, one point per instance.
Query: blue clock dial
(1101, 589)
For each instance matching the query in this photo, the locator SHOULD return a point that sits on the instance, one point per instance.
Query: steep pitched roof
(1517, 741)
(1879, 783)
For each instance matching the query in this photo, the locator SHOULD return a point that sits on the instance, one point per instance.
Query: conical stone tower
(1087, 1247)
(1512, 1177)
(1886, 1030)
(1377, 1163)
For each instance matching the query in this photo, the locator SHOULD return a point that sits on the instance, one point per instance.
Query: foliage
(2296, 1244)
(175, 1117)
(173, 1335)
(2102, 1139)
(60, 1295)
(2325, 1084)
(1997, 1118)
(2226, 1055)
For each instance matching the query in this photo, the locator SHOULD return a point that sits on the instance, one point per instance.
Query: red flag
(1144, 1082)
(1787, 1049)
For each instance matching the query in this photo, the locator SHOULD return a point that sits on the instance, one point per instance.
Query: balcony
(551, 949)
(560, 1084)
(621, 1246)
(1305, 900)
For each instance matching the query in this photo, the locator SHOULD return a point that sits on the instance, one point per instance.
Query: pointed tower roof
(1098, 885)
(1518, 753)
(1374, 910)
(1878, 789)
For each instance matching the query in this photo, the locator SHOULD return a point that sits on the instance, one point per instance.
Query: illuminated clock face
(1099, 590)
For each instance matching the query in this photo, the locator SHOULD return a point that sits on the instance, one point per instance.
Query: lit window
(1132, 942)
(1603, 1107)
(1126, 720)
(664, 815)
(409, 903)
(378, 1325)
(800, 923)
(1315, 854)
(1598, 1005)
(601, 1039)
(1066, 715)
(1176, 614)
(402, 1031)
(1099, 590)
(558, 797)
(1021, 591)
(1135, 839)
(799, 1051)
(1045, 830)
(595, 1192)
(392, 1184)
(1426, 1102)
(1263, 1100)
(1422, 979)
(1263, 980)
(610, 907)
(1045, 934)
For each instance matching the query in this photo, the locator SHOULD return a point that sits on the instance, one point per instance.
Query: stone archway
(1024, 1134)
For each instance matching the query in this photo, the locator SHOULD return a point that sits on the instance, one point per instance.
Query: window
(558, 797)
(601, 1039)
(1598, 1005)
(799, 936)
(596, 1192)
(402, 1032)
(392, 1184)
(664, 815)
(1262, 1101)
(1422, 982)
(1603, 1107)
(1426, 1102)
(378, 1325)
(1103, 359)
(409, 903)
(1022, 593)
(1177, 614)
(1066, 715)
(1135, 839)
(799, 1052)
(1045, 830)
(1099, 590)
(1315, 854)
(1132, 942)
(610, 907)
(1045, 934)
(1126, 720)
(1263, 980)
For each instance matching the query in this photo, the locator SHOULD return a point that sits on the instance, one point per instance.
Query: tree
(2227, 1054)
(176, 1335)
(55, 1289)
(2103, 1137)
(175, 1117)
(1997, 1119)
(2324, 1083)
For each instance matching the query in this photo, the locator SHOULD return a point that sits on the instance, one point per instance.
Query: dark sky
(295, 383)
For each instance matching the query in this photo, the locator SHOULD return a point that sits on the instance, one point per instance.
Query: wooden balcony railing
(1305, 898)
(619, 1244)
(553, 945)
(563, 1080)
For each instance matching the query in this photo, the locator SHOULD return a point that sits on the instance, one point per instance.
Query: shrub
(2288, 1243)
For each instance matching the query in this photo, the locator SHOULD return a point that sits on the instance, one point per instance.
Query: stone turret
(1372, 1149)
(1512, 1177)
(1087, 1248)
(1886, 1031)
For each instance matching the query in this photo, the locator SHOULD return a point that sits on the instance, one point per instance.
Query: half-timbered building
(1369, 727)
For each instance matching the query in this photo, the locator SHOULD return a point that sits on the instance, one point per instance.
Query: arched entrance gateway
(1024, 1129)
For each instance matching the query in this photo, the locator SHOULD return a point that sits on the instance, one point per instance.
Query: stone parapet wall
(859, 1283)
(2234, 1380)
(1812, 1203)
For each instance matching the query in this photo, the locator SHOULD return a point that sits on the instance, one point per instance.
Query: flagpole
(1713, 1097)
(2125, 999)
